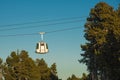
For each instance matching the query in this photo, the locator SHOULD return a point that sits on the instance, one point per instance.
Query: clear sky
(52, 15)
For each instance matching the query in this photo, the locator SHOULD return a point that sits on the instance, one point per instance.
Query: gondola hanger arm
(42, 33)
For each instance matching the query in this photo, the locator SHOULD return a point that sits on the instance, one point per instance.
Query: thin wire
(25, 27)
(18, 35)
(48, 32)
(60, 30)
(61, 19)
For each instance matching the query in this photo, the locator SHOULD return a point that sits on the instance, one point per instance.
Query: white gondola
(41, 47)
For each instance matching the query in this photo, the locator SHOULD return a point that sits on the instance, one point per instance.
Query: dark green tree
(1, 69)
(20, 67)
(46, 72)
(73, 77)
(43, 69)
(53, 72)
(0, 61)
(102, 51)
(53, 68)
(84, 77)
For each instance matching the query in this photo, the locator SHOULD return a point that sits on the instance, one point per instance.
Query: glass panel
(46, 46)
(42, 44)
(37, 46)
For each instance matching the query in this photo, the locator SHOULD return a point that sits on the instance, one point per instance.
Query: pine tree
(53, 72)
(0, 69)
(53, 68)
(102, 52)
(43, 69)
(20, 67)
(84, 77)
(73, 77)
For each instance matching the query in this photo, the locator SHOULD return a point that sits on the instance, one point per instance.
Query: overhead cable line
(60, 30)
(26, 27)
(34, 22)
(48, 32)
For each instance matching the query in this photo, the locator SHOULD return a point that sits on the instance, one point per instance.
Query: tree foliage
(19, 66)
(73, 77)
(102, 50)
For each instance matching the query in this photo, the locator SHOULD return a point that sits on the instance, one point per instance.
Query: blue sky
(64, 47)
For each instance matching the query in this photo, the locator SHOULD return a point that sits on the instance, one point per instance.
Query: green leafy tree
(0, 61)
(46, 72)
(53, 72)
(43, 69)
(102, 52)
(73, 77)
(1, 69)
(20, 67)
(53, 68)
(84, 77)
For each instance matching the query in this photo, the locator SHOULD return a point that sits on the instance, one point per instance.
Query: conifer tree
(73, 77)
(102, 51)
(43, 69)
(20, 67)
(53, 72)
(53, 68)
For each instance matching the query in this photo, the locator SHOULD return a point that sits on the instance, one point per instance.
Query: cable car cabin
(41, 48)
